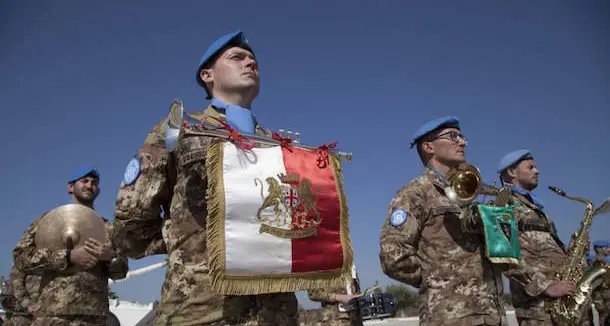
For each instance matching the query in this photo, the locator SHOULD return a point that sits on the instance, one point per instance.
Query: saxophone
(569, 310)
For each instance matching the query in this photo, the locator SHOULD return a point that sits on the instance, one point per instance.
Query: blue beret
(601, 243)
(83, 172)
(512, 158)
(430, 126)
(232, 39)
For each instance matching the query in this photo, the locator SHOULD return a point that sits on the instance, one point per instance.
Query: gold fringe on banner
(268, 283)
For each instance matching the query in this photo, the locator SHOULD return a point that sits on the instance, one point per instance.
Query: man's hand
(346, 298)
(103, 252)
(560, 289)
(83, 259)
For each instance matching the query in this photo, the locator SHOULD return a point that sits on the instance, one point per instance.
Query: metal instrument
(465, 183)
(74, 221)
(570, 309)
(175, 129)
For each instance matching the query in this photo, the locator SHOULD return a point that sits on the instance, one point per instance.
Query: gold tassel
(258, 284)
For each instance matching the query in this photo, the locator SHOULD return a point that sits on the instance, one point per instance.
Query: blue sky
(84, 81)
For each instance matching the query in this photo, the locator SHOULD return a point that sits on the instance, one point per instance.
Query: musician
(19, 303)
(541, 248)
(176, 181)
(72, 297)
(423, 244)
(601, 295)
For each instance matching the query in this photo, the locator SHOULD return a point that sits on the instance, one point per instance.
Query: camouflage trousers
(18, 320)
(70, 321)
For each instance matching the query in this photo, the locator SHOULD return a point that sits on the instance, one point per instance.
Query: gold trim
(346, 243)
(269, 283)
(215, 200)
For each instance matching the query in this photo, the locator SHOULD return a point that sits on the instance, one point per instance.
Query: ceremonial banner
(501, 234)
(277, 220)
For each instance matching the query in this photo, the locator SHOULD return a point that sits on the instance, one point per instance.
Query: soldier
(20, 302)
(157, 179)
(423, 244)
(72, 297)
(601, 295)
(541, 248)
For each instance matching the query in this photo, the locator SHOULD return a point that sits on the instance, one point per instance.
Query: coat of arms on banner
(292, 200)
(277, 220)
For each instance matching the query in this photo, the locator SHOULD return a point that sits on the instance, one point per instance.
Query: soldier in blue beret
(601, 295)
(73, 288)
(541, 247)
(84, 186)
(163, 178)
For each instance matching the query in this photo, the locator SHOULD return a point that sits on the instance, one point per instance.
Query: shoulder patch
(132, 171)
(398, 217)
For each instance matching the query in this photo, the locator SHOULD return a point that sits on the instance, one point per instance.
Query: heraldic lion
(274, 199)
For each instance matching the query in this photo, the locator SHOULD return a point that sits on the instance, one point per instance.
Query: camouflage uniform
(331, 316)
(541, 250)
(67, 297)
(601, 299)
(458, 285)
(177, 182)
(24, 289)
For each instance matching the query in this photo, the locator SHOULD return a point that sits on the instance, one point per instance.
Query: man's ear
(207, 76)
(511, 172)
(427, 147)
(70, 188)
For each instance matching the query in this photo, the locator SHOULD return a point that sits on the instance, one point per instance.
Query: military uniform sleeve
(320, 295)
(33, 260)
(400, 235)
(137, 222)
(534, 283)
(17, 281)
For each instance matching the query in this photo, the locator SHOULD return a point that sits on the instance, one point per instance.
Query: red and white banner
(277, 220)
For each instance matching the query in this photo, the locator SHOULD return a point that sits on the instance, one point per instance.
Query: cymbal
(72, 220)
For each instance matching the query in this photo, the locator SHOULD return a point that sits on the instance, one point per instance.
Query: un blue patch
(398, 217)
(132, 171)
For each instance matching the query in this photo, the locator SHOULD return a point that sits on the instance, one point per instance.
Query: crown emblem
(289, 178)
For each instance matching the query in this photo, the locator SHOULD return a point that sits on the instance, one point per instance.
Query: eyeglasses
(451, 135)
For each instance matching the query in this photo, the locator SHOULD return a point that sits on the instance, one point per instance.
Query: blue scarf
(532, 198)
(239, 118)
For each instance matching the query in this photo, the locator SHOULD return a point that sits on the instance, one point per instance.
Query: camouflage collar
(435, 177)
(211, 113)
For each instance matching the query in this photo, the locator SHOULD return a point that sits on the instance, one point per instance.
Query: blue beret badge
(132, 171)
(398, 217)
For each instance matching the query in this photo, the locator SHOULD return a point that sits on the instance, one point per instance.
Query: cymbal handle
(69, 243)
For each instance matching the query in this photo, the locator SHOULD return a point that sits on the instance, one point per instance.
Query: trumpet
(177, 118)
(464, 184)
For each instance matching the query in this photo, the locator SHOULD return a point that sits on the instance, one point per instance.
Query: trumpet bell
(463, 184)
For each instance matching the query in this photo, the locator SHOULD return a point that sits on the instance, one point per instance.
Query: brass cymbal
(72, 220)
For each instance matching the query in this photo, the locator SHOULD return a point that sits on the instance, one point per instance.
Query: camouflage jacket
(176, 182)
(541, 250)
(64, 291)
(25, 289)
(601, 297)
(458, 285)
